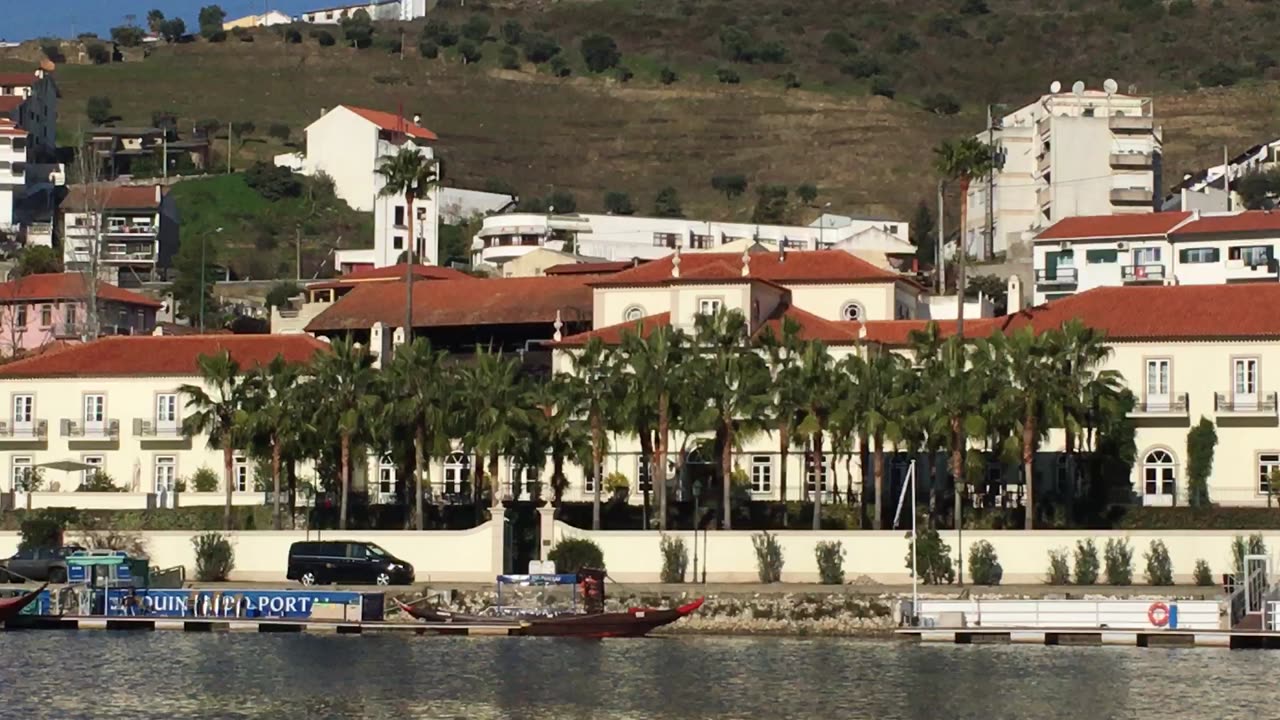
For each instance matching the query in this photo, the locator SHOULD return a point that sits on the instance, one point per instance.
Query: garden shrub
(1119, 562)
(1059, 568)
(984, 564)
(573, 554)
(1203, 576)
(1086, 562)
(214, 557)
(830, 555)
(768, 557)
(40, 531)
(1159, 567)
(100, 481)
(675, 559)
(205, 480)
(933, 558)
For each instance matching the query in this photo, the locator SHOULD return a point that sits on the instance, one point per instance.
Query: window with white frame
(24, 409)
(853, 312)
(523, 478)
(589, 482)
(457, 471)
(1159, 371)
(21, 317)
(1245, 377)
(1159, 473)
(240, 473)
(166, 410)
(1268, 462)
(761, 474)
(809, 475)
(23, 467)
(69, 311)
(95, 412)
(46, 316)
(709, 306)
(388, 476)
(98, 462)
(644, 474)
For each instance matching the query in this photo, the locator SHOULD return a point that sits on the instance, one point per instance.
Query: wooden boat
(634, 622)
(12, 607)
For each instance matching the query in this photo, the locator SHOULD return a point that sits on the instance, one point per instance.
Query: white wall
(634, 556)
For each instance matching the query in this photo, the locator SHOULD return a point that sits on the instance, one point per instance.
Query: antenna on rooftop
(1055, 87)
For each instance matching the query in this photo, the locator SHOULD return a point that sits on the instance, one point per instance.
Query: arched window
(1159, 477)
(853, 312)
(633, 313)
(457, 471)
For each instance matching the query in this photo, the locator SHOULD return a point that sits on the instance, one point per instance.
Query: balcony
(129, 253)
(1131, 196)
(34, 431)
(1132, 161)
(107, 430)
(1141, 274)
(1057, 277)
(1165, 406)
(1239, 406)
(1131, 124)
(147, 428)
(1043, 197)
(1042, 162)
(1254, 268)
(129, 229)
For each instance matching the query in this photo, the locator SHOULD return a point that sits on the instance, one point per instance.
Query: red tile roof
(613, 334)
(392, 272)
(393, 122)
(898, 332)
(592, 268)
(1241, 222)
(1114, 226)
(474, 301)
(815, 266)
(17, 79)
(147, 355)
(117, 197)
(66, 286)
(8, 103)
(812, 327)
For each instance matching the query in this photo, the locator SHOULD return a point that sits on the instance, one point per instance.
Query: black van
(347, 562)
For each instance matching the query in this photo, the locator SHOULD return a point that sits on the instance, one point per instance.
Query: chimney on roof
(746, 263)
(1014, 296)
(1195, 215)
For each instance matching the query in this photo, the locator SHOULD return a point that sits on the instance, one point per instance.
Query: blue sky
(25, 19)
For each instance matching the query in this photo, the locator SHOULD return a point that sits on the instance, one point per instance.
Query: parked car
(42, 564)
(347, 562)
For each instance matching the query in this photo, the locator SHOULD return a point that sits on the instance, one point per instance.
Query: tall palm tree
(414, 175)
(883, 380)
(964, 160)
(218, 405)
(1082, 353)
(735, 385)
(782, 352)
(348, 399)
(655, 365)
(555, 403)
(274, 420)
(594, 364)
(419, 393)
(493, 388)
(815, 378)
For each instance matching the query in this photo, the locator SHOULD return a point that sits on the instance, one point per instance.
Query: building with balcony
(1170, 248)
(1066, 155)
(146, 152)
(115, 405)
(30, 101)
(133, 230)
(503, 238)
(39, 310)
(1207, 190)
(319, 295)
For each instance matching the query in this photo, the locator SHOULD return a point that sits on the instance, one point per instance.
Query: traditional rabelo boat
(12, 607)
(581, 616)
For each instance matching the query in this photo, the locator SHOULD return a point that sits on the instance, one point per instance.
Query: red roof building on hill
(162, 356)
(37, 310)
(393, 123)
(811, 266)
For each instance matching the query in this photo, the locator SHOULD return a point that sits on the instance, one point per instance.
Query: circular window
(633, 313)
(853, 312)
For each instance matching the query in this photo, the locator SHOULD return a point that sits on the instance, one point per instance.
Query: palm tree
(964, 160)
(419, 392)
(815, 378)
(555, 427)
(734, 382)
(785, 402)
(594, 365)
(492, 387)
(348, 398)
(218, 404)
(410, 173)
(274, 419)
(882, 381)
(655, 365)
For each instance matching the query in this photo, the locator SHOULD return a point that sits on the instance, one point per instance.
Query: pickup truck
(41, 564)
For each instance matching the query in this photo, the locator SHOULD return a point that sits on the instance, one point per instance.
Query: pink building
(37, 310)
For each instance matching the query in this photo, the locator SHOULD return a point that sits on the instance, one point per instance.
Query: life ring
(1158, 614)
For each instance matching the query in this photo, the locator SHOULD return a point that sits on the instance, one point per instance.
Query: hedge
(189, 518)
(1212, 518)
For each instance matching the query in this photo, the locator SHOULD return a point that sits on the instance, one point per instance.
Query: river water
(177, 675)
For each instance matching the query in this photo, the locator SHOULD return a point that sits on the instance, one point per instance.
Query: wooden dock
(1234, 639)
(252, 625)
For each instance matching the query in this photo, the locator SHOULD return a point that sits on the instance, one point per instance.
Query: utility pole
(989, 246)
(940, 267)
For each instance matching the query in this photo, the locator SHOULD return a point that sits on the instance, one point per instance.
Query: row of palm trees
(720, 384)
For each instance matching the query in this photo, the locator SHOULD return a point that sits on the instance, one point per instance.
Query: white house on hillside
(402, 10)
(1206, 190)
(29, 171)
(348, 143)
(1067, 154)
(266, 19)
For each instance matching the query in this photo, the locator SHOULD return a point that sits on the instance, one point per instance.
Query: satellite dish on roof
(1111, 86)
(1055, 87)
(1077, 88)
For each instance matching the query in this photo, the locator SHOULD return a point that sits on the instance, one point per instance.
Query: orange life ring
(1158, 614)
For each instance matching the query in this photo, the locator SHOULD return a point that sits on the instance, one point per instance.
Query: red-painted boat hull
(12, 607)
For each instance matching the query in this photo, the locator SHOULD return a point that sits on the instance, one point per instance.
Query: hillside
(533, 131)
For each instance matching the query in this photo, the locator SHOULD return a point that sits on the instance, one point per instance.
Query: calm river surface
(176, 675)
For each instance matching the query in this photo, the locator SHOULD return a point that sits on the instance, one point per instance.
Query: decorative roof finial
(675, 264)
(746, 262)
(556, 336)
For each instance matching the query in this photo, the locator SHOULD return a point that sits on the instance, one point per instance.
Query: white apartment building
(503, 238)
(1207, 189)
(1172, 248)
(133, 227)
(402, 10)
(29, 173)
(30, 100)
(1067, 154)
(266, 19)
(348, 144)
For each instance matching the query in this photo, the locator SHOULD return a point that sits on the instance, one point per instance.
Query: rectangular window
(1245, 374)
(386, 479)
(1197, 256)
(95, 410)
(1268, 463)
(1100, 257)
(46, 316)
(21, 319)
(808, 472)
(166, 473)
(166, 410)
(24, 407)
(644, 475)
(667, 240)
(23, 467)
(761, 473)
(70, 314)
(589, 482)
(1146, 256)
(709, 306)
(1251, 255)
(240, 473)
(1158, 378)
(97, 461)
(399, 221)
(397, 242)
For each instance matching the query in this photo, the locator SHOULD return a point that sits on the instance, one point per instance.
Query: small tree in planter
(30, 482)
(1203, 576)
(1059, 568)
(214, 557)
(205, 480)
(1086, 562)
(99, 481)
(768, 557)
(1159, 566)
(1119, 562)
(984, 564)
(830, 556)
(573, 554)
(675, 559)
